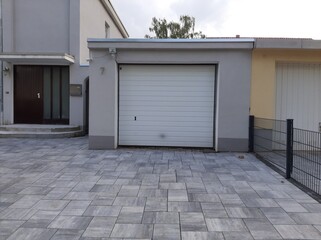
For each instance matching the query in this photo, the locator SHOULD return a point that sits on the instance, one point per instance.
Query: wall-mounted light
(113, 52)
(6, 71)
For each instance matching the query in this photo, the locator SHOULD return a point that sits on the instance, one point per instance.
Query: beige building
(45, 57)
(286, 81)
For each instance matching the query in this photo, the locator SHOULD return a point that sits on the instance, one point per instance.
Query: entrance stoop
(39, 131)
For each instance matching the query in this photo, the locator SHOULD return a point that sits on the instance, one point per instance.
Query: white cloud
(272, 18)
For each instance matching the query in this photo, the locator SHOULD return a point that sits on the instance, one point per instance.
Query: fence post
(289, 147)
(251, 133)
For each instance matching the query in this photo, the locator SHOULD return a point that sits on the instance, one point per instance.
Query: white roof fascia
(64, 59)
(95, 43)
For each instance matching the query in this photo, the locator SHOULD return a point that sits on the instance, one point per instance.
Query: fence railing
(295, 152)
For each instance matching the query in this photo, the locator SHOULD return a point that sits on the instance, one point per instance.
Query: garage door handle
(135, 118)
(38, 95)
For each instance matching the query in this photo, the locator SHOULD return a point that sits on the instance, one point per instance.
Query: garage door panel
(165, 108)
(157, 108)
(168, 93)
(196, 124)
(169, 88)
(168, 133)
(174, 98)
(162, 103)
(173, 115)
(166, 83)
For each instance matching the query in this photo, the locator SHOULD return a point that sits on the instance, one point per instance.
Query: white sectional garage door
(166, 105)
(298, 94)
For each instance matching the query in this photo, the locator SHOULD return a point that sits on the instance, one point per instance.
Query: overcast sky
(226, 18)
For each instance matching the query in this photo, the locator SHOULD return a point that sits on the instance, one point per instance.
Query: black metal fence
(295, 152)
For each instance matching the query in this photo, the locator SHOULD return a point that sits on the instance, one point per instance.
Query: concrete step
(35, 134)
(39, 131)
(38, 128)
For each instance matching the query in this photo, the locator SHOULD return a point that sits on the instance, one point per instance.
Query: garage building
(173, 93)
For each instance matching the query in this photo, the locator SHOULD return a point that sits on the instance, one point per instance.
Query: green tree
(185, 28)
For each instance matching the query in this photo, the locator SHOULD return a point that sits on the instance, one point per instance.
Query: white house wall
(92, 21)
(233, 91)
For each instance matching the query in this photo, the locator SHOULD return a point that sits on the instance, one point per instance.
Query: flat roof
(223, 43)
(32, 58)
(172, 44)
(171, 40)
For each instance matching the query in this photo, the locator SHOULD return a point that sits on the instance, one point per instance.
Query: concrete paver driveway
(57, 189)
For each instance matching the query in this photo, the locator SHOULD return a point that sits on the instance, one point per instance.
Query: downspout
(1, 65)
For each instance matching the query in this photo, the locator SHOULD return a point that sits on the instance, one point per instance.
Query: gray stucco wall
(233, 91)
(39, 26)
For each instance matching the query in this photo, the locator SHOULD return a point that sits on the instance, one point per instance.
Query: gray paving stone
(312, 207)
(306, 218)
(238, 212)
(67, 234)
(202, 197)
(184, 207)
(35, 191)
(237, 236)
(7, 227)
(102, 211)
(16, 214)
(131, 215)
(290, 205)
(298, 232)
(277, 216)
(225, 225)
(32, 234)
(260, 203)
(80, 196)
(128, 191)
(262, 229)
(130, 201)
(215, 213)
(156, 204)
(202, 236)
(231, 200)
(100, 227)
(27, 201)
(132, 231)
(75, 208)
(50, 205)
(193, 222)
(166, 232)
(70, 222)
(177, 195)
(153, 193)
(167, 217)
(149, 217)
(173, 186)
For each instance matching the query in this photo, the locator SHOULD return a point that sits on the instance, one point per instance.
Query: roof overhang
(295, 43)
(188, 44)
(41, 59)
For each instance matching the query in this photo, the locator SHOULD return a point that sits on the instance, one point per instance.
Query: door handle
(38, 95)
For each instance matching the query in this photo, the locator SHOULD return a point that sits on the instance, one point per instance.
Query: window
(107, 30)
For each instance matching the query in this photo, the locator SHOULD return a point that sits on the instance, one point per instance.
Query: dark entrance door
(41, 94)
(28, 94)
